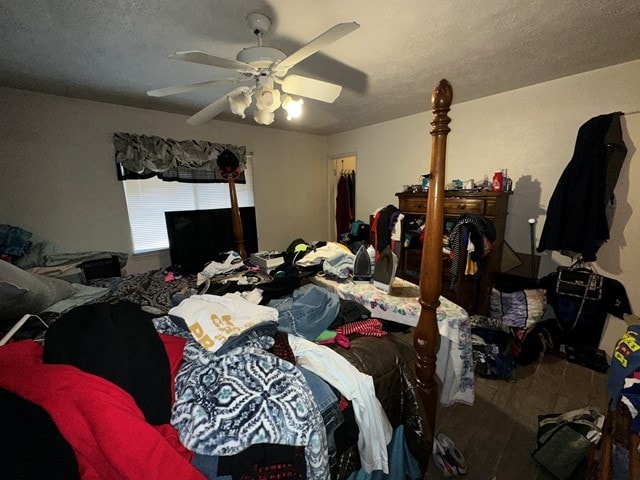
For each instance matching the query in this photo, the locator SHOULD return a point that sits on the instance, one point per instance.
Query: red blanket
(104, 426)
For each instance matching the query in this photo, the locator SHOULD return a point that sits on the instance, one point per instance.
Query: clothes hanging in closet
(345, 202)
(351, 182)
(581, 207)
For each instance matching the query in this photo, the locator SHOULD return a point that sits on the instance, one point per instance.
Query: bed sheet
(454, 365)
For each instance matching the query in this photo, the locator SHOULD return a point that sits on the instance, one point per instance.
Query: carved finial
(442, 95)
(440, 102)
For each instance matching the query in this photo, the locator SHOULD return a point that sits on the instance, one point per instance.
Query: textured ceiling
(114, 51)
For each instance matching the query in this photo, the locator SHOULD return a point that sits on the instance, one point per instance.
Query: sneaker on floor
(451, 454)
(443, 459)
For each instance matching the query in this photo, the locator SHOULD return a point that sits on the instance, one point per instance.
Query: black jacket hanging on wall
(580, 209)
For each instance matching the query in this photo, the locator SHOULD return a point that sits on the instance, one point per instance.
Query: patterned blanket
(148, 289)
(225, 403)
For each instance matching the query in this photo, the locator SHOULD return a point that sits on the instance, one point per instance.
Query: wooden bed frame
(426, 337)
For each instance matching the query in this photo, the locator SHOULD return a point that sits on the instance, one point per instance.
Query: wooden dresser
(470, 293)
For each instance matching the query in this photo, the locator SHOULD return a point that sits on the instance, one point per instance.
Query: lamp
(263, 118)
(267, 100)
(293, 107)
(239, 103)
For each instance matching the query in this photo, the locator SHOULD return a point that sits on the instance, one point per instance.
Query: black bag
(580, 283)
(531, 343)
(563, 440)
(574, 284)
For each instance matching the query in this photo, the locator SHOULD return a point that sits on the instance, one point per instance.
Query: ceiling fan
(258, 71)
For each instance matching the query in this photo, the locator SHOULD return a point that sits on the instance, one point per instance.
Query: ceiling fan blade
(311, 88)
(163, 92)
(327, 38)
(213, 109)
(203, 58)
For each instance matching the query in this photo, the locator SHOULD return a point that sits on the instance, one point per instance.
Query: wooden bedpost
(426, 336)
(236, 221)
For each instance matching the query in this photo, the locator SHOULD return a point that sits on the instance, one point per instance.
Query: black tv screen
(197, 236)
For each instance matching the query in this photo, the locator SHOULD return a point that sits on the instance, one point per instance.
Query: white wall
(59, 178)
(390, 155)
(530, 131)
(58, 175)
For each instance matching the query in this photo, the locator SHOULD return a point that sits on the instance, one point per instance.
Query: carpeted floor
(497, 434)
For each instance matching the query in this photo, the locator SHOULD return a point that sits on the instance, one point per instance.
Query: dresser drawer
(414, 205)
(459, 206)
(490, 207)
(453, 206)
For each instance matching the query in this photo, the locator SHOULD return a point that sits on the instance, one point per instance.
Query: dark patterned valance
(142, 156)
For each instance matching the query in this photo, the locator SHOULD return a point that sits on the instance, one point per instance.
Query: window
(148, 199)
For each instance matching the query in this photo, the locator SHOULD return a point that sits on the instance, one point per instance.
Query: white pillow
(22, 292)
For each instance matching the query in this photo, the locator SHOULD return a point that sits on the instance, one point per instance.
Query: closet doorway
(342, 195)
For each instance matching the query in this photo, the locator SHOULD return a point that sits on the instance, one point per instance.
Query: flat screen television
(197, 236)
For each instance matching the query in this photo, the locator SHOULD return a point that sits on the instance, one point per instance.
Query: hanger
(18, 325)
(580, 264)
(631, 113)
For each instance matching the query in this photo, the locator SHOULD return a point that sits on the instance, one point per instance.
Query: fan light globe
(239, 103)
(268, 99)
(263, 118)
(293, 107)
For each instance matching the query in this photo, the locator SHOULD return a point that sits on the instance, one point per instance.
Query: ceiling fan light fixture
(293, 107)
(268, 99)
(239, 103)
(267, 70)
(263, 117)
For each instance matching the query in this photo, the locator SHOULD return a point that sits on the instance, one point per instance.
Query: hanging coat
(580, 209)
(343, 207)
